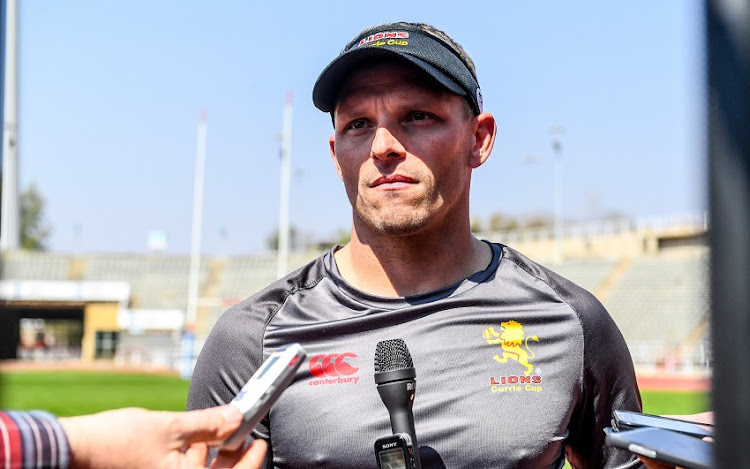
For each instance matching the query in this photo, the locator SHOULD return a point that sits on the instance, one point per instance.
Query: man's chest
(489, 394)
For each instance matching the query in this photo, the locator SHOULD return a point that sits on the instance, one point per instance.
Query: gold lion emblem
(510, 338)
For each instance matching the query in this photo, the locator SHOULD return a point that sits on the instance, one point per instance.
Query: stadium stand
(156, 281)
(243, 276)
(653, 279)
(661, 307)
(155, 349)
(591, 274)
(34, 266)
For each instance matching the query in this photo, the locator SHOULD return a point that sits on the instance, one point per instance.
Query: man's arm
(608, 383)
(233, 351)
(125, 438)
(231, 354)
(31, 439)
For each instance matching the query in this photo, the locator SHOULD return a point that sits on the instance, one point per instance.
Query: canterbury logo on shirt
(333, 368)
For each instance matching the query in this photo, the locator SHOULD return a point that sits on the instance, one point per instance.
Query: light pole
(10, 222)
(531, 161)
(286, 167)
(191, 314)
(557, 131)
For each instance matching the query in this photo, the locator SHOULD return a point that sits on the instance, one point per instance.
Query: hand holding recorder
(128, 438)
(663, 442)
(258, 395)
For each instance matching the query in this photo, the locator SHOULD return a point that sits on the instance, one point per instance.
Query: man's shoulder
(233, 350)
(536, 269)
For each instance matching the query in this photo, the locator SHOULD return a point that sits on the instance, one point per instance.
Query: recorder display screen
(268, 366)
(392, 459)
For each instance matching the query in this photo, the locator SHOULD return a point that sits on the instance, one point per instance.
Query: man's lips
(393, 180)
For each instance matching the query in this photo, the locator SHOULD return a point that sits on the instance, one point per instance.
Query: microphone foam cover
(392, 354)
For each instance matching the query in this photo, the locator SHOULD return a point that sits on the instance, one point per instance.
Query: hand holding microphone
(395, 377)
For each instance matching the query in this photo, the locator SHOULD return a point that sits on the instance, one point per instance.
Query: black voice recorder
(395, 452)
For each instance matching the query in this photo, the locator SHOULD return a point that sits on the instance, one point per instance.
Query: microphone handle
(398, 397)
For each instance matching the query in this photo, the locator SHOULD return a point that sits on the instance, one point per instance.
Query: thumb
(207, 424)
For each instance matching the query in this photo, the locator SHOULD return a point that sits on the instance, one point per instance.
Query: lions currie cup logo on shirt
(514, 350)
(333, 368)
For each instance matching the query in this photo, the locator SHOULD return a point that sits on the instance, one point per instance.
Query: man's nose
(386, 146)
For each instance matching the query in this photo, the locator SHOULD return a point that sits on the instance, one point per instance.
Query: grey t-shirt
(515, 366)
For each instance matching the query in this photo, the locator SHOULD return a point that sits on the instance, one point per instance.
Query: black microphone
(395, 376)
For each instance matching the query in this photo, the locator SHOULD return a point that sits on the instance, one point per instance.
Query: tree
(272, 240)
(476, 224)
(501, 222)
(341, 237)
(539, 221)
(34, 229)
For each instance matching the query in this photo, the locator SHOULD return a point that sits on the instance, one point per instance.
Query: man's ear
(485, 131)
(332, 149)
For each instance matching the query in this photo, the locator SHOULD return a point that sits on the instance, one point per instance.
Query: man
(124, 438)
(516, 366)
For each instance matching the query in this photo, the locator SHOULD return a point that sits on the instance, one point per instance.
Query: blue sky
(111, 93)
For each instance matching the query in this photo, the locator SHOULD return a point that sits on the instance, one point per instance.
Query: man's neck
(411, 265)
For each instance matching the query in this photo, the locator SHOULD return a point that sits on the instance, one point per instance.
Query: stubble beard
(395, 217)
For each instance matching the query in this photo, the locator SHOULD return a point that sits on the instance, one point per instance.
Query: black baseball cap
(430, 53)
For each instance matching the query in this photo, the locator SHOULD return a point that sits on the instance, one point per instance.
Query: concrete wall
(97, 317)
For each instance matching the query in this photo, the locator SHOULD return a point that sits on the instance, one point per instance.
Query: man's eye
(358, 124)
(420, 116)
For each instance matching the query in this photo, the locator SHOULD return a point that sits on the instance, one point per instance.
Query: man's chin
(406, 225)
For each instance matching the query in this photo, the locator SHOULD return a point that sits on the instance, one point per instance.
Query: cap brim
(328, 85)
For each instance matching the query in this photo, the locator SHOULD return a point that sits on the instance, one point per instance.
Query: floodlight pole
(286, 166)
(191, 314)
(531, 161)
(557, 131)
(9, 220)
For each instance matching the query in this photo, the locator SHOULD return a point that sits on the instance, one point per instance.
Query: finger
(197, 454)
(254, 456)
(227, 459)
(654, 464)
(207, 424)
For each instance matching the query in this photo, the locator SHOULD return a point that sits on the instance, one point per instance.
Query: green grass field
(673, 402)
(66, 393)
